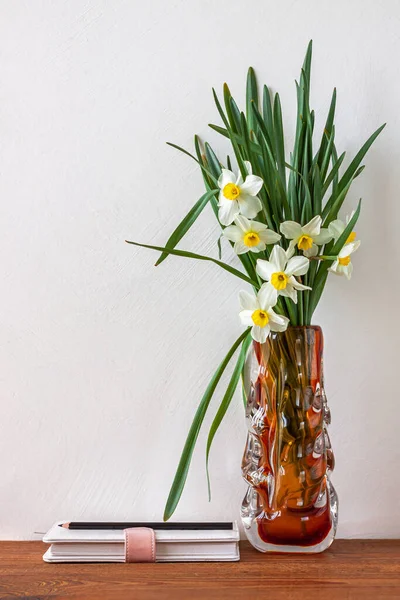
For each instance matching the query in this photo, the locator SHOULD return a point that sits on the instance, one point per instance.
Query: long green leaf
(324, 149)
(353, 166)
(267, 114)
(333, 173)
(226, 400)
(186, 223)
(231, 134)
(186, 457)
(229, 109)
(279, 139)
(186, 254)
(202, 167)
(251, 97)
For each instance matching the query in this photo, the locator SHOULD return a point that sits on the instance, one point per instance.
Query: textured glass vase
(290, 504)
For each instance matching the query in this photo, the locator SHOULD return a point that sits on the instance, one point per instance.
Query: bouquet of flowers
(281, 218)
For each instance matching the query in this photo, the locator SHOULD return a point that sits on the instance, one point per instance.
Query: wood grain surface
(350, 569)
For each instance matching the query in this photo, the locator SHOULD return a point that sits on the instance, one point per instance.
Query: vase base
(255, 540)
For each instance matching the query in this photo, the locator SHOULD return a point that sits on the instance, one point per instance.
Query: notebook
(171, 545)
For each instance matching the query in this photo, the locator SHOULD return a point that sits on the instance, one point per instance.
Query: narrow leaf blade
(186, 457)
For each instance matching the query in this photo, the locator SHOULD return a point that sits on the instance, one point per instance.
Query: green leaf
(238, 138)
(226, 400)
(186, 223)
(251, 97)
(332, 208)
(231, 134)
(324, 149)
(213, 161)
(307, 61)
(279, 140)
(186, 254)
(202, 167)
(267, 114)
(317, 191)
(333, 173)
(186, 457)
(326, 154)
(352, 168)
(219, 247)
(229, 109)
(257, 117)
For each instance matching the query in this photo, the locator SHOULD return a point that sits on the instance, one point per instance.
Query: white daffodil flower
(337, 227)
(306, 237)
(257, 312)
(280, 270)
(250, 235)
(343, 264)
(238, 196)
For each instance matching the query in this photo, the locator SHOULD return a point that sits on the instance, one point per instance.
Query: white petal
(336, 228)
(259, 248)
(245, 317)
(228, 209)
(334, 267)
(349, 249)
(290, 250)
(248, 167)
(289, 292)
(323, 237)
(243, 223)
(277, 322)
(297, 285)
(298, 265)
(313, 227)
(313, 251)
(268, 236)
(265, 268)
(267, 296)
(250, 206)
(260, 334)
(232, 233)
(240, 247)
(348, 271)
(252, 185)
(278, 258)
(225, 178)
(291, 230)
(257, 226)
(248, 301)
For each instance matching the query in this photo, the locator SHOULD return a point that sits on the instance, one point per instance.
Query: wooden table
(350, 569)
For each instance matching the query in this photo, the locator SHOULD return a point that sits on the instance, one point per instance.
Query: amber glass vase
(290, 504)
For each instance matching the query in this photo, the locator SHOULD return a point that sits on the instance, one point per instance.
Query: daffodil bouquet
(281, 218)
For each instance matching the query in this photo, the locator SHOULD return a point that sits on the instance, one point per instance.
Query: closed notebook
(109, 545)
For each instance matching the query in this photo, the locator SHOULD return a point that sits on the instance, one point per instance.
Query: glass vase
(290, 504)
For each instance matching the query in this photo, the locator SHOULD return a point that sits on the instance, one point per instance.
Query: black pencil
(166, 526)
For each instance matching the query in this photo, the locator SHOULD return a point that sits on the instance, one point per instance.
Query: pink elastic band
(140, 545)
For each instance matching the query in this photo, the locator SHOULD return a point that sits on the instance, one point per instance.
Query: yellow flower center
(351, 237)
(305, 242)
(344, 261)
(260, 318)
(279, 280)
(251, 239)
(231, 191)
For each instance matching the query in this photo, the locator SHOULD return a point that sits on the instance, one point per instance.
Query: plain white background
(103, 357)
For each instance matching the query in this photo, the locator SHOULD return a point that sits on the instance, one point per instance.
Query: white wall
(103, 358)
